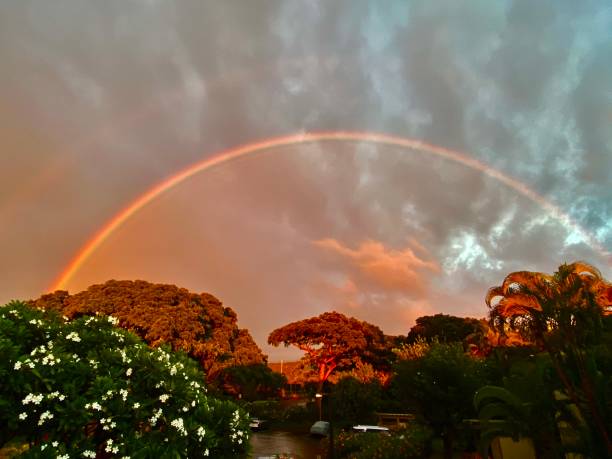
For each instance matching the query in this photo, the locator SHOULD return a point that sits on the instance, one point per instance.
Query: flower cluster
(130, 393)
(73, 336)
(179, 425)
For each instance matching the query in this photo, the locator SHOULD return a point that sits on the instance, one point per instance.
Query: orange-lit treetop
(198, 324)
(330, 340)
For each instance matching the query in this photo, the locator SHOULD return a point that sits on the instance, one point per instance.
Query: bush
(83, 388)
(298, 413)
(354, 401)
(411, 443)
(441, 385)
(251, 382)
(265, 409)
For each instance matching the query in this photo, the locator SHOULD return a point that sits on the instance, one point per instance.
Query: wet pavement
(300, 445)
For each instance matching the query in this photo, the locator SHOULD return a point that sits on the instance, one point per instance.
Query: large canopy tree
(197, 324)
(564, 314)
(445, 328)
(331, 340)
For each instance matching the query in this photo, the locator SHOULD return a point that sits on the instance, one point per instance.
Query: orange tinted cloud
(372, 266)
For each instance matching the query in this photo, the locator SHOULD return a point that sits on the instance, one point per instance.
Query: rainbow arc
(314, 137)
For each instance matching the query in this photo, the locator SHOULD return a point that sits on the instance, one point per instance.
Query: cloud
(102, 100)
(373, 267)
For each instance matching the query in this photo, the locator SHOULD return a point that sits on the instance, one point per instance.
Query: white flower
(22, 416)
(44, 416)
(124, 394)
(89, 453)
(32, 398)
(17, 366)
(136, 405)
(61, 397)
(63, 456)
(74, 336)
(55, 444)
(128, 372)
(164, 398)
(94, 406)
(206, 452)
(178, 425)
(113, 320)
(201, 432)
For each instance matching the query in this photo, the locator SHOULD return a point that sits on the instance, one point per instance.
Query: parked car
(320, 429)
(372, 429)
(258, 424)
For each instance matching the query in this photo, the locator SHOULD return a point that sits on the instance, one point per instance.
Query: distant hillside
(199, 324)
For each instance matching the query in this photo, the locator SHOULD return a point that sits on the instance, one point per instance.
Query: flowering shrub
(87, 389)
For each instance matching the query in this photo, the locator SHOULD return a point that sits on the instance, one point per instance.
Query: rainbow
(253, 148)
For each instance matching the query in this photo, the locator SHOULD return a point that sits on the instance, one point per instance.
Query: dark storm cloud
(101, 100)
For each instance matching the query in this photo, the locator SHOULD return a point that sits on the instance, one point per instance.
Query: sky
(102, 101)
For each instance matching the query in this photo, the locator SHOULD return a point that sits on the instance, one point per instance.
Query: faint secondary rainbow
(253, 148)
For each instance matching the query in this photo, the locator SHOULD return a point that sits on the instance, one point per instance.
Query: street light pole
(332, 453)
(319, 397)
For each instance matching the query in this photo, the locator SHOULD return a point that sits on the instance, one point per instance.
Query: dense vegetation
(197, 324)
(89, 389)
(539, 367)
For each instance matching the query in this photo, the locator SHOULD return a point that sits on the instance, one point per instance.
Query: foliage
(269, 410)
(83, 388)
(441, 385)
(354, 401)
(487, 339)
(251, 382)
(411, 443)
(443, 328)
(501, 413)
(197, 324)
(277, 411)
(564, 314)
(531, 377)
(363, 372)
(330, 341)
(414, 350)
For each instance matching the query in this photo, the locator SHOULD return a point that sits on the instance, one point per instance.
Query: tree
(331, 341)
(251, 382)
(444, 328)
(88, 389)
(441, 386)
(564, 315)
(197, 324)
(355, 401)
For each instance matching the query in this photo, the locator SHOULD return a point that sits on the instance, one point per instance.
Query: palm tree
(563, 315)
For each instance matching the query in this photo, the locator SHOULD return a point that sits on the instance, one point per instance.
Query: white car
(369, 428)
(257, 424)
